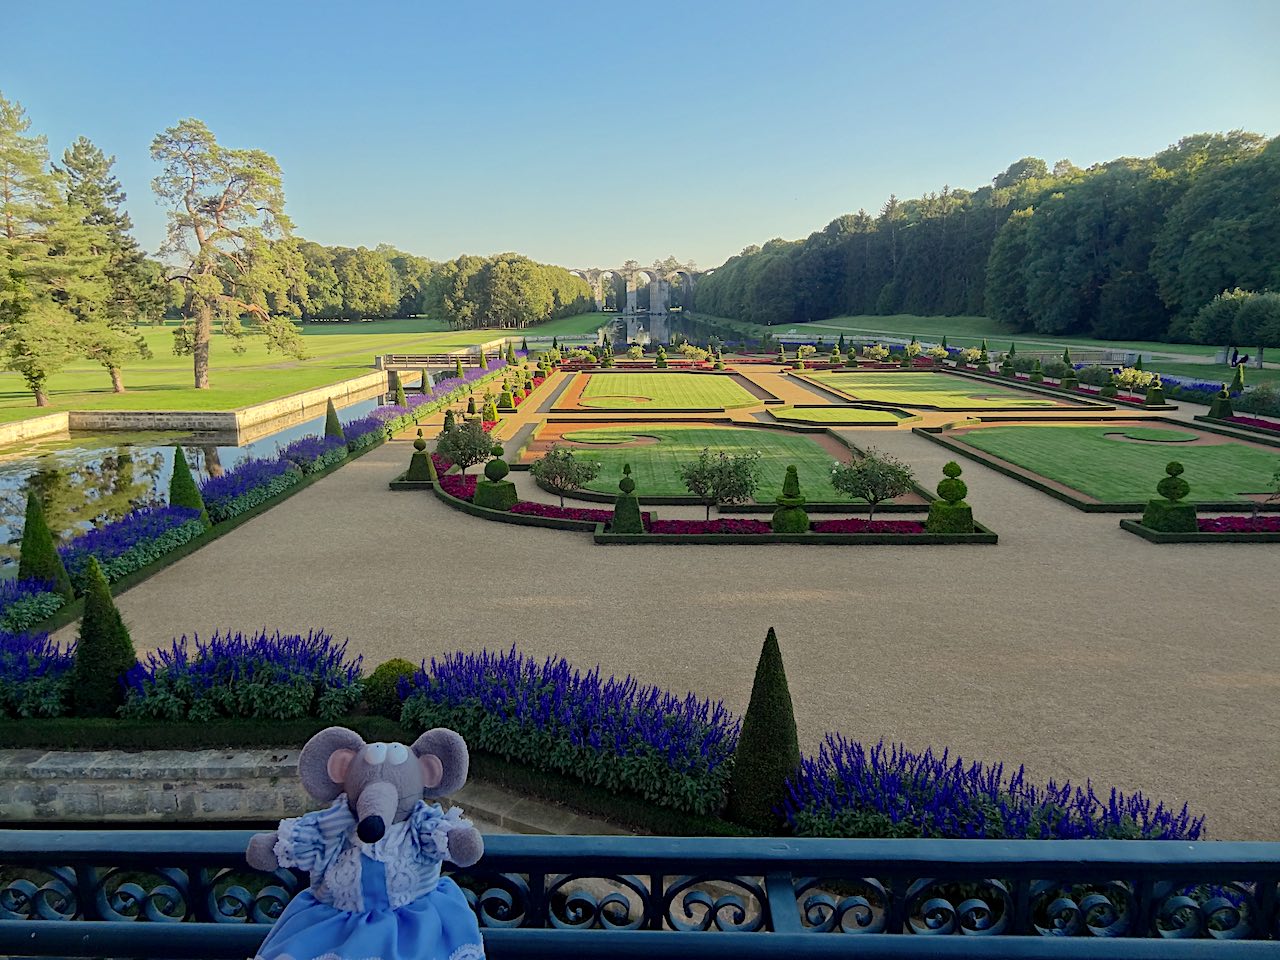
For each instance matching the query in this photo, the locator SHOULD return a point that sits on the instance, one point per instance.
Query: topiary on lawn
(1220, 409)
(332, 425)
(1170, 515)
(104, 650)
(1037, 375)
(950, 514)
(1069, 381)
(183, 491)
(768, 748)
(381, 689)
(626, 508)
(790, 517)
(38, 558)
(1155, 394)
(418, 469)
(495, 491)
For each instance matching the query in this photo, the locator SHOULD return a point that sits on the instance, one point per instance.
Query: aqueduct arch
(658, 278)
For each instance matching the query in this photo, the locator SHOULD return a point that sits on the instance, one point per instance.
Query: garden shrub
(1221, 407)
(450, 421)
(626, 508)
(950, 514)
(471, 406)
(490, 413)
(790, 516)
(332, 425)
(35, 676)
(1263, 400)
(852, 360)
(768, 749)
(104, 651)
(123, 546)
(660, 361)
(1111, 389)
(424, 381)
(608, 731)
(24, 603)
(247, 485)
(183, 491)
(382, 687)
(1037, 374)
(495, 491)
(398, 390)
(259, 676)
(1155, 394)
(1170, 515)
(418, 471)
(315, 454)
(506, 401)
(39, 558)
(848, 790)
(1055, 368)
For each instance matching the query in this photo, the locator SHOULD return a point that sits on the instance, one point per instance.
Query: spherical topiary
(1173, 487)
(626, 484)
(951, 488)
(950, 514)
(790, 516)
(626, 508)
(1168, 515)
(382, 687)
(419, 443)
(496, 469)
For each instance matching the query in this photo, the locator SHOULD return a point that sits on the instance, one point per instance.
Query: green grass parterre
(927, 389)
(663, 391)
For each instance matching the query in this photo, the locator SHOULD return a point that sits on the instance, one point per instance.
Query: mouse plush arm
(261, 853)
(446, 835)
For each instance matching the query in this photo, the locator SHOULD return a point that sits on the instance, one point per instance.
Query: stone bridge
(658, 278)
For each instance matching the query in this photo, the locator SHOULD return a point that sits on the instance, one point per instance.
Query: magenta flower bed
(459, 485)
(530, 509)
(442, 464)
(854, 525)
(1238, 524)
(724, 525)
(1255, 422)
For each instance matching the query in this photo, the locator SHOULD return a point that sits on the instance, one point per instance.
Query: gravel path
(1072, 646)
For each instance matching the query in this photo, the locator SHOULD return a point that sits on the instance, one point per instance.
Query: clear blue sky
(588, 133)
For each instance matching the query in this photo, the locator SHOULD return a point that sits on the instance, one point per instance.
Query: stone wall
(19, 430)
(211, 421)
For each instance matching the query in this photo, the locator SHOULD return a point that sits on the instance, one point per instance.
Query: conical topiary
(506, 401)
(1013, 349)
(790, 516)
(1170, 514)
(950, 514)
(104, 650)
(1137, 364)
(39, 558)
(332, 425)
(1237, 382)
(626, 508)
(183, 491)
(457, 368)
(1155, 394)
(840, 344)
(424, 381)
(524, 345)
(944, 341)
(401, 399)
(418, 469)
(768, 747)
(1220, 409)
(490, 414)
(1066, 356)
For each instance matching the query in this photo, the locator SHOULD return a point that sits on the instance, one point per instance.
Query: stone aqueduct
(658, 278)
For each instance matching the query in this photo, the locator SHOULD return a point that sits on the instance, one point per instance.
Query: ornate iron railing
(190, 894)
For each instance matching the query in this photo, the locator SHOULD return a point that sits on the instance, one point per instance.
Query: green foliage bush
(768, 747)
(950, 514)
(332, 425)
(381, 689)
(104, 650)
(1170, 515)
(38, 557)
(626, 508)
(183, 491)
(495, 495)
(790, 516)
(1220, 409)
(25, 612)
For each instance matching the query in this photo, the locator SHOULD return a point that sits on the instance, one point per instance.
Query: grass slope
(577, 325)
(931, 389)
(655, 467)
(849, 415)
(1116, 471)
(665, 391)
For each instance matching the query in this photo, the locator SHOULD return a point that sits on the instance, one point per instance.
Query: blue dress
(372, 901)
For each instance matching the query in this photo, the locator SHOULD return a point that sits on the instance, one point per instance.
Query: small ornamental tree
(1237, 382)
(183, 491)
(457, 368)
(1170, 514)
(465, 445)
(873, 477)
(790, 517)
(424, 381)
(721, 478)
(626, 508)
(332, 425)
(39, 558)
(401, 399)
(768, 751)
(104, 650)
(418, 469)
(561, 472)
(950, 514)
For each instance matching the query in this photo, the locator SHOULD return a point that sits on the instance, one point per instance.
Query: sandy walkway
(1072, 646)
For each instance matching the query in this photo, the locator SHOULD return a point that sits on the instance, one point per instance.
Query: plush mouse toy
(374, 854)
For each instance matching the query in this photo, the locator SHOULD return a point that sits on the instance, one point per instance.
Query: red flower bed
(1238, 524)
(442, 464)
(854, 525)
(1255, 422)
(459, 485)
(488, 425)
(1122, 396)
(723, 525)
(530, 509)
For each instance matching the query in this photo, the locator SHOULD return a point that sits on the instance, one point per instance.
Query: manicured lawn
(655, 466)
(1116, 471)
(582, 323)
(928, 389)
(663, 391)
(336, 351)
(836, 415)
(1212, 372)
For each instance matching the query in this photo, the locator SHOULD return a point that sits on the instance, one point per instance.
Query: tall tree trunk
(117, 379)
(200, 350)
(42, 398)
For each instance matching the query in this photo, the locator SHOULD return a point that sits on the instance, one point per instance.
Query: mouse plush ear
(323, 763)
(442, 755)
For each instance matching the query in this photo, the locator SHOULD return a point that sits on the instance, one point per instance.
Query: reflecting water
(88, 479)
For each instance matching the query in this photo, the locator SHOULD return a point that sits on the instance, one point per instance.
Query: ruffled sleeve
(429, 828)
(310, 841)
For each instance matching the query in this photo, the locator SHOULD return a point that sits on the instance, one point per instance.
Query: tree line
(1129, 249)
(75, 283)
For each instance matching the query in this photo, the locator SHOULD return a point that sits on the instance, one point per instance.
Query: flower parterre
(314, 454)
(364, 432)
(130, 543)
(731, 525)
(529, 508)
(262, 676)
(1255, 422)
(1238, 524)
(246, 485)
(443, 393)
(24, 603)
(35, 675)
(615, 733)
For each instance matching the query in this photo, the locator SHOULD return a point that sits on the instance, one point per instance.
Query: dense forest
(1133, 248)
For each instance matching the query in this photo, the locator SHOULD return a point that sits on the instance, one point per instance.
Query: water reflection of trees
(78, 494)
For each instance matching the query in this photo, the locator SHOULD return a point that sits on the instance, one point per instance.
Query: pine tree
(332, 425)
(424, 384)
(104, 650)
(768, 746)
(183, 491)
(401, 399)
(457, 368)
(39, 558)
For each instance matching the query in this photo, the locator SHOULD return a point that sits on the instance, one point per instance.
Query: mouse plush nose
(371, 829)
(375, 809)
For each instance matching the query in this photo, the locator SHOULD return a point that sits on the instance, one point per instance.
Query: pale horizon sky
(586, 134)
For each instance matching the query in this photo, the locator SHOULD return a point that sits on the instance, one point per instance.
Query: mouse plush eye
(375, 754)
(397, 753)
